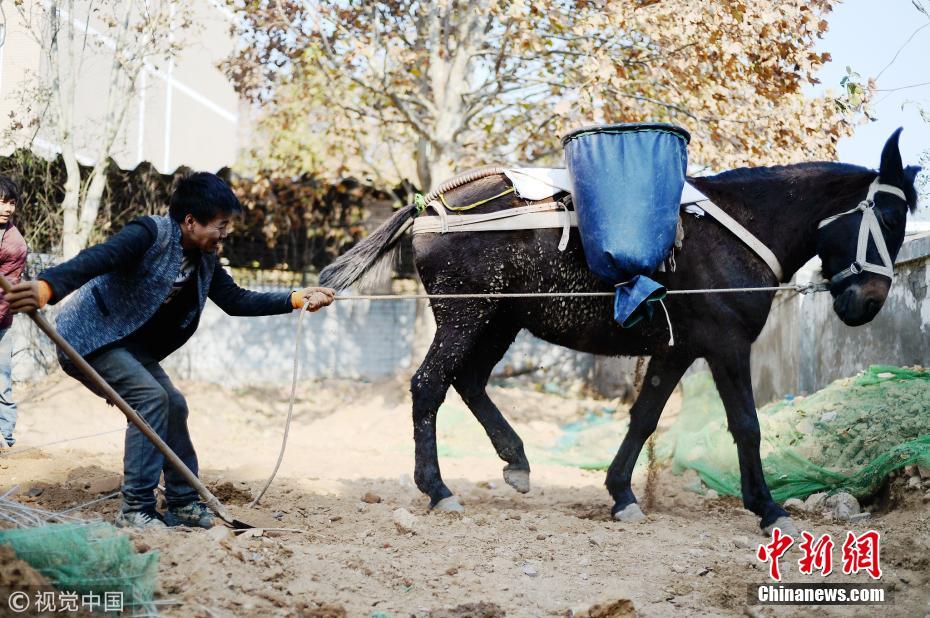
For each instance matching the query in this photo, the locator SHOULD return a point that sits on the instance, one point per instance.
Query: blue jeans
(145, 386)
(7, 406)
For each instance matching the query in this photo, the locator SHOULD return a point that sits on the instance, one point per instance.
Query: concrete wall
(804, 346)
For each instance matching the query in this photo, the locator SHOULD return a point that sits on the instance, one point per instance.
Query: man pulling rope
(138, 298)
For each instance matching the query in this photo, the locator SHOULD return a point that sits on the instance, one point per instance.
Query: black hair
(9, 191)
(203, 195)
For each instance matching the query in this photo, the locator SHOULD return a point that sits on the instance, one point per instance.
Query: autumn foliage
(405, 89)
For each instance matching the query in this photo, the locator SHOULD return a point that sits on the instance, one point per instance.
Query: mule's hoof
(518, 479)
(630, 514)
(784, 524)
(449, 505)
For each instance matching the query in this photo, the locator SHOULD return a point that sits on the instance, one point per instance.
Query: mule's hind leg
(661, 378)
(471, 382)
(450, 350)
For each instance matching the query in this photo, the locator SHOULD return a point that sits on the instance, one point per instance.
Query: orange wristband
(297, 301)
(45, 293)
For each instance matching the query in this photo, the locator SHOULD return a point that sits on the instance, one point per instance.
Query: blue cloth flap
(634, 300)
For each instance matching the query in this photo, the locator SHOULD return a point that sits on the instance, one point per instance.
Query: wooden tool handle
(78, 361)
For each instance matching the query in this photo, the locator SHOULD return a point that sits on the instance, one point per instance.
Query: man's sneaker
(195, 515)
(142, 520)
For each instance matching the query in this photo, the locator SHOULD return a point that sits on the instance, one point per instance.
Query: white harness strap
(532, 217)
(869, 227)
(743, 234)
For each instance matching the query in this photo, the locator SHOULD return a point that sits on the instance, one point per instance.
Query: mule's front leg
(734, 383)
(661, 378)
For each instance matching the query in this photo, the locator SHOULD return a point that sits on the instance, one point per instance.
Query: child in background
(12, 260)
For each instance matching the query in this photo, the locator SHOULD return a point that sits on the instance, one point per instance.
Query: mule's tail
(357, 261)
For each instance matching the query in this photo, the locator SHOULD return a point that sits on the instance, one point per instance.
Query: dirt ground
(552, 552)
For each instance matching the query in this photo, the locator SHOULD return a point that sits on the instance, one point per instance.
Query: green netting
(89, 559)
(848, 436)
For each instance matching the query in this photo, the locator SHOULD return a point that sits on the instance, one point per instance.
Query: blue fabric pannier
(626, 185)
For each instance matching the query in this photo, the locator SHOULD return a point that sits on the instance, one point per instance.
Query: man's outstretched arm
(119, 251)
(235, 300)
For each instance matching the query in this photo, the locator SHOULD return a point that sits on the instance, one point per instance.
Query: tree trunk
(70, 206)
(440, 169)
(424, 175)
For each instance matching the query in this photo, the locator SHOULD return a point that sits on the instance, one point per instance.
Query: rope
(290, 406)
(442, 198)
(14, 451)
(671, 333)
(799, 288)
(78, 507)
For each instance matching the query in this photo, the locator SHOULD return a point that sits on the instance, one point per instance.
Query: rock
(924, 472)
(251, 533)
(913, 482)
(827, 417)
(859, 517)
(741, 542)
(926, 498)
(815, 502)
(105, 485)
(325, 610)
(530, 570)
(405, 521)
(370, 498)
(842, 505)
(753, 612)
(621, 608)
(794, 503)
(482, 609)
(711, 495)
(220, 534)
(35, 490)
(910, 470)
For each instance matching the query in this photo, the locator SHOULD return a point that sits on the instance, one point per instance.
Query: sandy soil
(551, 552)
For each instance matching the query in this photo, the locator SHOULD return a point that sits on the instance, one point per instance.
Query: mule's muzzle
(858, 304)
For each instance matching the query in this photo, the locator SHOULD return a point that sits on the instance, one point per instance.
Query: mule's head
(858, 247)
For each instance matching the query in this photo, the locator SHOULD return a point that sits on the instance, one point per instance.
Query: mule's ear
(892, 169)
(910, 177)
